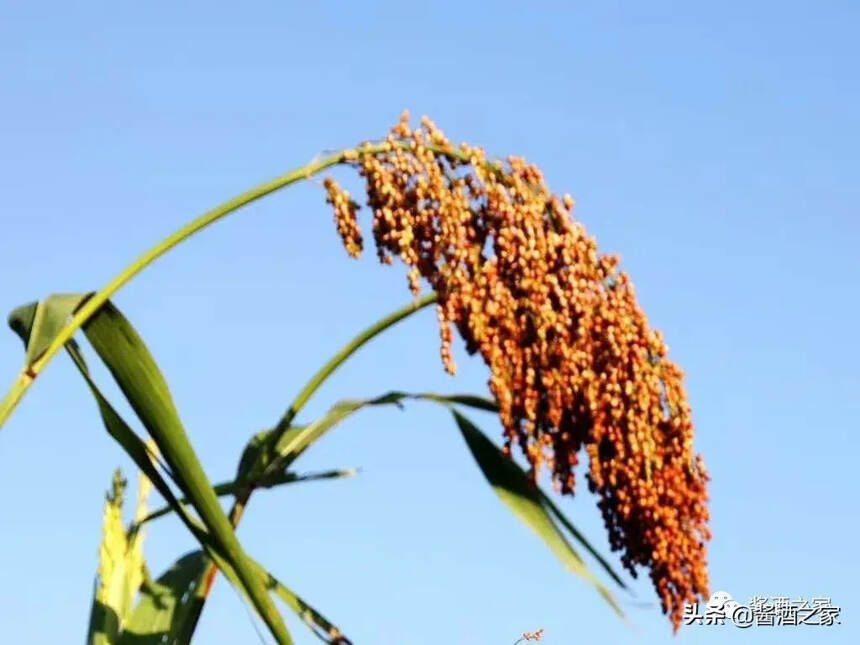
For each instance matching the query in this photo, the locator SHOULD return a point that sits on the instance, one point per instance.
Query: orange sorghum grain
(574, 364)
(344, 217)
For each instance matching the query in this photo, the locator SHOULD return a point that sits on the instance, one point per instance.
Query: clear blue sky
(715, 147)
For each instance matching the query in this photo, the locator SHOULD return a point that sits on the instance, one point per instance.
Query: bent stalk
(243, 494)
(349, 155)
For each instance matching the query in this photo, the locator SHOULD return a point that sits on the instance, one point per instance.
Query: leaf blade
(163, 611)
(232, 487)
(514, 488)
(38, 323)
(579, 537)
(128, 359)
(318, 623)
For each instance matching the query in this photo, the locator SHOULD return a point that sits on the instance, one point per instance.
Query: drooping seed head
(574, 364)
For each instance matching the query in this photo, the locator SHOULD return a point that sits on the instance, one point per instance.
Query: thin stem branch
(243, 493)
(103, 295)
(230, 488)
(340, 357)
(91, 306)
(88, 309)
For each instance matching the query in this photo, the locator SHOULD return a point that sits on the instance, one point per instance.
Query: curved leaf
(135, 371)
(231, 488)
(318, 624)
(296, 439)
(181, 621)
(117, 428)
(579, 537)
(469, 400)
(510, 481)
(518, 492)
(165, 604)
(38, 323)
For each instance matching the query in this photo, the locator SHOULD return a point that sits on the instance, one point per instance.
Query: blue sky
(714, 147)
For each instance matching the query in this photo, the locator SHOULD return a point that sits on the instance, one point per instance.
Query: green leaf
(255, 457)
(318, 624)
(296, 439)
(138, 376)
(117, 428)
(143, 458)
(21, 322)
(525, 499)
(162, 614)
(513, 485)
(233, 487)
(169, 607)
(38, 323)
(579, 537)
(280, 450)
(469, 400)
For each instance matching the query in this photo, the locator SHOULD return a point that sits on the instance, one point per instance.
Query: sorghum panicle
(574, 364)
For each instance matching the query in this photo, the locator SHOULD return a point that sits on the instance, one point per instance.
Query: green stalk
(30, 372)
(205, 499)
(243, 495)
(319, 378)
(15, 394)
(338, 359)
(230, 488)
(206, 503)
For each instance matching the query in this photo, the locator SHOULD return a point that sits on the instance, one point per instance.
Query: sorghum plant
(574, 368)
